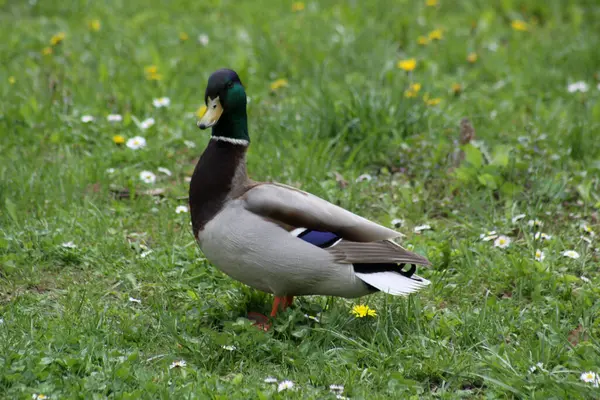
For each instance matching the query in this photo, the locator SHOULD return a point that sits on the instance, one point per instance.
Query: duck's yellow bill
(212, 114)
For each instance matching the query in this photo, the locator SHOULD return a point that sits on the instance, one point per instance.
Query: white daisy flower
(336, 388)
(145, 253)
(229, 347)
(420, 228)
(161, 102)
(110, 171)
(489, 235)
(340, 397)
(535, 223)
(147, 177)
(585, 279)
(136, 142)
(39, 396)
(147, 123)
(114, 118)
(189, 144)
(69, 245)
(502, 242)
(541, 236)
(539, 255)
(311, 317)
(181, 209)
(586, 239)
(133, 300)
(178, 364)
(532, 369)
(517, 218)
(285, 385)
(571, 254)
(270, 379)
(164, 171)
(203, 39)
(86, 118)
(364, 177)
(580, 86)
(590, 377)
(587, 229)
(397, 222)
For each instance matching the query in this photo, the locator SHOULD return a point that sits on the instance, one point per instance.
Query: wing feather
(296, 208)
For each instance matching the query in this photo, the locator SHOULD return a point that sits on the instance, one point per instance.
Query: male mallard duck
(274, 237)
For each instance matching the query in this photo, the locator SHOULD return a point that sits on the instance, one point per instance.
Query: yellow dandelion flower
(94, 25)
(11, 80)
(431, 3)
(297, 6)
(56, 39)
(118, 139)
(201, 111)
(412, 90)
(422, 40)
(279, 83)
(472, 57)
(436, 34)
(362, 311)
(407, 65)
(456, 88)
(152, 74)
(519, 25)
(433, 102)
(183, 36)
(47, 51)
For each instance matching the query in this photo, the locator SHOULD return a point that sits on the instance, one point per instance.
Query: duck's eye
(230, 85)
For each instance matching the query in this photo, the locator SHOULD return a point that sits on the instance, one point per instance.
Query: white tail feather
(394, 283)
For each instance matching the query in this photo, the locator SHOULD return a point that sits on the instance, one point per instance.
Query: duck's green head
(225, 100)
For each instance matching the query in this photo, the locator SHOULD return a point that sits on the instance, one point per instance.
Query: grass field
(103, 291)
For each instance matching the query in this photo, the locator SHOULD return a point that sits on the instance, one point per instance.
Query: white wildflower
(571, 254)
(285, 385)
(147, 123)
(86, 118)
(147, 177)
(397, 222)
(489, 235)
(145, 253)
(587, 229)
(420, 228)
(585, 279)
(161, 102)
(502, 242)
(580, 86)
(229, 347)
(134, 300)
(178, 364)
(535, 223)
(136, 142)
(39, 396)
(110, 171)
(181, 209)
(517, 218)
(164, 171)
(364, 177)
(203, 39)
(69, 245)
(542, 236)
(311, 317)
(270, 379)
(336, 388)
(539, 255)
(590, 377)
(114, 118)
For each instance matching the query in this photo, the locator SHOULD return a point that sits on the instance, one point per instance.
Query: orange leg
(283, 301)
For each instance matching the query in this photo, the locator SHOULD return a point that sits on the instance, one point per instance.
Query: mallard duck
(276, 238)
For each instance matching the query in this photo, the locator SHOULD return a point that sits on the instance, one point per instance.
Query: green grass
(68, 327)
